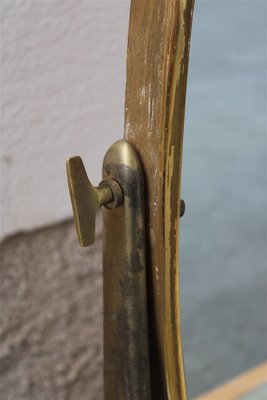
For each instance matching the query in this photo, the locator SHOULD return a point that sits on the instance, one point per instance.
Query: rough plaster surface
(50, 317)
(62, 78)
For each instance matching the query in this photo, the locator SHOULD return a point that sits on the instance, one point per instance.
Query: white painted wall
(63, 79)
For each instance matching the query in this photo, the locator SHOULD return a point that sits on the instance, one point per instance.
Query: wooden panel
(157, 65)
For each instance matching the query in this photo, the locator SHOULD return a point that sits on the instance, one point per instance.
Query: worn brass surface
(126, 355)
(157, 64)
(86, 199)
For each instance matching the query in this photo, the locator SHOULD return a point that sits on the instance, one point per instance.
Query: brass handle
(86, 199)
(124, 264)
(126, 348)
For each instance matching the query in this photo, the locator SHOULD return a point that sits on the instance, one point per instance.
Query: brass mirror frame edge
(126, 343)
(157, 66)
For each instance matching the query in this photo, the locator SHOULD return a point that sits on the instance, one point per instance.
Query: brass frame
(157, 65)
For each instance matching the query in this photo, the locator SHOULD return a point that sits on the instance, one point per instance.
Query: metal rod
(126, 350)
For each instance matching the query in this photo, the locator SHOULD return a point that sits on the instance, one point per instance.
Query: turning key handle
(86, 199)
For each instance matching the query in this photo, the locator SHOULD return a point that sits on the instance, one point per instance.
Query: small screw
(182, 208)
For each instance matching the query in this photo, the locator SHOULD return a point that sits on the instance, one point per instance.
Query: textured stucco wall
(63, 78)
(51, 316)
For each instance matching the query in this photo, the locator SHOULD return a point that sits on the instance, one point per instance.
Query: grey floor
(258, 394)
(223, 233)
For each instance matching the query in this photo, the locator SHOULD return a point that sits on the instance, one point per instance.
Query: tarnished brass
(126, 354)
(86, 199)
(157, 65)
(126, 348)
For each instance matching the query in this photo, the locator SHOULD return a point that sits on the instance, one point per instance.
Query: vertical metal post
(126, 354)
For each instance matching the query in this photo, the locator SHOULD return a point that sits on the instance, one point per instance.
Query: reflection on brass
(157, 65)
(126, 350)
(126, 354)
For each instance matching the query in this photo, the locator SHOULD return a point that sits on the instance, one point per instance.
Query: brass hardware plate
(126, 354)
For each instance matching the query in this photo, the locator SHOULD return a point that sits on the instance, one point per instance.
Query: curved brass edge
(126, 352)
(157, 65)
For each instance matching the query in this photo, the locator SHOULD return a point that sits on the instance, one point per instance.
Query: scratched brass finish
(157, 65)
(126, 350)
(126, 357)
(86, 199)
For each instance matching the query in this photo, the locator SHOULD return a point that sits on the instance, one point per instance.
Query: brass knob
(86, 199)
